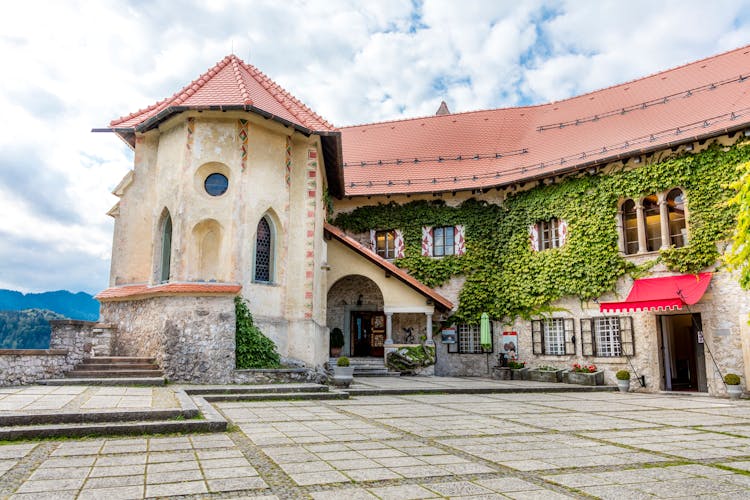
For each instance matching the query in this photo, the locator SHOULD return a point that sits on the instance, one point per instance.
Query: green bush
(343, 361)
(254, 350)
(732, 379)
(622, 375)
(337, 338)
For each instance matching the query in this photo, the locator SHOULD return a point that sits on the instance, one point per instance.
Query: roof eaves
(440, 302)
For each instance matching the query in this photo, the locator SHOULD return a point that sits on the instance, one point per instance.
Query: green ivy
(739, 256)
(254, 350)
(506, 279)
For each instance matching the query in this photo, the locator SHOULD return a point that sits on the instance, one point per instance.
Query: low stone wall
(71, 341)
(26, 366)
(279, 376)
(192, 338)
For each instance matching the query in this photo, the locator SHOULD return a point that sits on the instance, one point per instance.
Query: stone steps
(280, 392)
(368, 367)
(141, 370)
(193, 415)
(78, 373)
(131, 381)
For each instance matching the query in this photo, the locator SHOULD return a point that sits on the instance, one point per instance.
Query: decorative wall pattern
(311, 173)
(242, 135)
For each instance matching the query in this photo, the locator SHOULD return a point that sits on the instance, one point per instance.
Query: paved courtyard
(510, 445)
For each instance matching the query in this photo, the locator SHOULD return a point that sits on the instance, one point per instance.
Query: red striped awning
(655, 294)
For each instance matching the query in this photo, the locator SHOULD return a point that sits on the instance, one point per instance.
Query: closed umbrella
(485, 332)
(485, 337)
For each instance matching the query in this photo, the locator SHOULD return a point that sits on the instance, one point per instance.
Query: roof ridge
(549, 103)
(275, 90)
(236, 65)
(457, 113)
(651, 75)
(185, 91)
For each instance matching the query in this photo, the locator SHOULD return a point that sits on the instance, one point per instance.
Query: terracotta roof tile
(501, 146)
(134, 292)
(440, 301)
(233, 82)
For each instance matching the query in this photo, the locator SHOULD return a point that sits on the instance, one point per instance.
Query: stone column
(642, 244)
(664, 216)
(621, 232)
(429, 340)
(388, 328)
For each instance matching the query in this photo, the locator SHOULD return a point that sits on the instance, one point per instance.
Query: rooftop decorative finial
(443, 109)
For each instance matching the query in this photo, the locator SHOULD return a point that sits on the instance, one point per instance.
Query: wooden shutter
(587, 336)
(569, 326)
(537, 337)
(398, 244)
(562, 231)
(459, 240)
(534, 237)
(427, 241)
(373, 241)
(627, 340)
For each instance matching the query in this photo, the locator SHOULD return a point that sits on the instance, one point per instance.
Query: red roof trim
(440, 301)
(666, 293)
(138, 292)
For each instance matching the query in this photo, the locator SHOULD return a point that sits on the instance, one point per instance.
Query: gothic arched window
(264, 251)
(676, 214)
(630, 227)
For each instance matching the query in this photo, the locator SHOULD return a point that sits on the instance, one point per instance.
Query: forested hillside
(71, 305)
(27, 329)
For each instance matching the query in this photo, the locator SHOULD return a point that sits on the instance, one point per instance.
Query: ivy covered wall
(505, 278)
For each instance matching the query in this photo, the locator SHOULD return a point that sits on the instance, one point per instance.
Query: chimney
(443, 109)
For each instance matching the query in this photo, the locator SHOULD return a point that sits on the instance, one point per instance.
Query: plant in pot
(343, 374)
(337, 342)
(732, 380)
(585, 375)
(623, 380)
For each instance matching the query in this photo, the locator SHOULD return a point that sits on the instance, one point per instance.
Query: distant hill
(79, 305)
(27, 329)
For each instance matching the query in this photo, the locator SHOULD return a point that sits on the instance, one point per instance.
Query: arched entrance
(355, 305)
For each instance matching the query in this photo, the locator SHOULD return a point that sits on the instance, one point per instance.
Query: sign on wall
(510, 345)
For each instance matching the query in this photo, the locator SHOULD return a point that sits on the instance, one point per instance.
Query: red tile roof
(135, 292)
(231, 82)
(502, 146)
(440, 302)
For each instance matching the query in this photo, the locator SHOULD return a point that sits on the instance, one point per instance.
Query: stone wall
(26, 366)
(192, 338)
(83, 339)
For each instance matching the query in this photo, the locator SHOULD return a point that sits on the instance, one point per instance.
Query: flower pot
(735, 391)
(342, 376)
(586, 378)
(623, 385)
(519, 373)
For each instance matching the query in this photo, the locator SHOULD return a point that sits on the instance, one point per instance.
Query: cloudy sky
(70, 66)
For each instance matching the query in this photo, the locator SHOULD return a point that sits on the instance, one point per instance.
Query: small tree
(253, 350)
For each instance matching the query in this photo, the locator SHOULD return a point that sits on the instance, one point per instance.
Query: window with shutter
(587, 337)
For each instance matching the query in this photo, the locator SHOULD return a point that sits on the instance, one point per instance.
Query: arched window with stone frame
(676, 218)
(164, 261)
(629, 227)
(264, 261)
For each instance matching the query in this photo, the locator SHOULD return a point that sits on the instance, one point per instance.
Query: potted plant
(517, 370)
(585, 375)
(343, 374)
(623, 380)
(733, 385)
(337, 342)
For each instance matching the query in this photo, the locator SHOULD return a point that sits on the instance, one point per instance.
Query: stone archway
(357, 300)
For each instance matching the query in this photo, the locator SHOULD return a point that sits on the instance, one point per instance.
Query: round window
(216, 184)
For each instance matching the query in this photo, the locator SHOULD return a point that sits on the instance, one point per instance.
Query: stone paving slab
(496, 445)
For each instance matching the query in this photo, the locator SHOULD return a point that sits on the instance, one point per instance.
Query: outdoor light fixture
(747, 132)
(359, 300)
(688, 147)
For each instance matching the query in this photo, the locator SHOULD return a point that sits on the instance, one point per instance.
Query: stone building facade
(234, 181)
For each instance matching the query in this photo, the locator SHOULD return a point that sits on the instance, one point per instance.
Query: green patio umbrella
(485, 332)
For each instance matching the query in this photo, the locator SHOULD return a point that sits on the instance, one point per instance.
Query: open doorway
(683, 363)
(367, 333)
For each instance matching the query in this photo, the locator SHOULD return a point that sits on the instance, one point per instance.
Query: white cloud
(70, 66)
